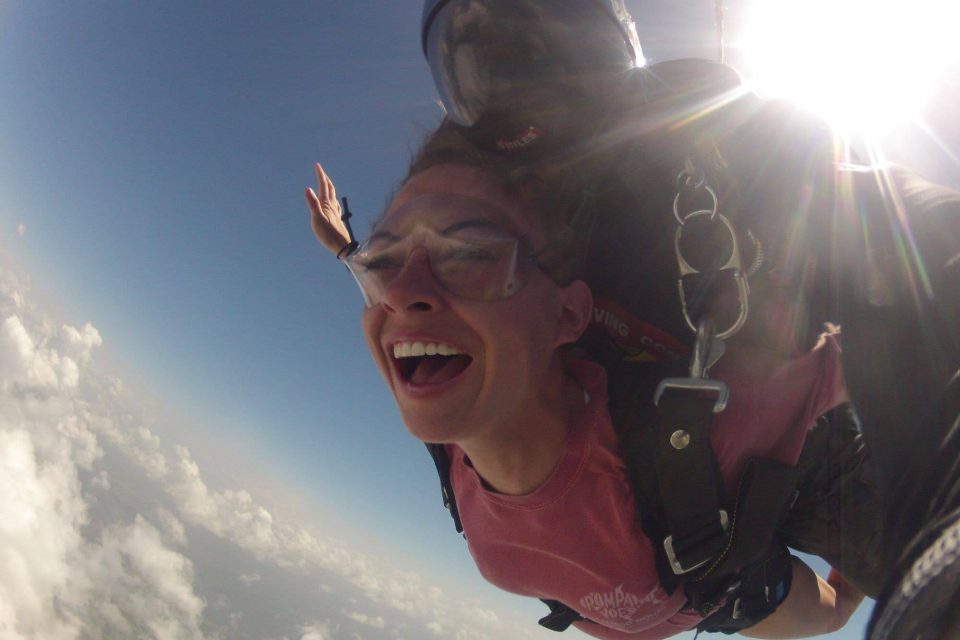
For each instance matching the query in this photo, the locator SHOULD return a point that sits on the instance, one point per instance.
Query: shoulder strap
(440, 459)
(702, 539)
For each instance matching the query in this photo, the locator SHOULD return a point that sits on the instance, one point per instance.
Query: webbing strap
(439, 454)
(560, 617)
(764, 495)
(688, 480)
(679, 492)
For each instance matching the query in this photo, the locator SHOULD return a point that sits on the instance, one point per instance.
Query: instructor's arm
(814, 606)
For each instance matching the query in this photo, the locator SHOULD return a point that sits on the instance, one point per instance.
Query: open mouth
(428, 363)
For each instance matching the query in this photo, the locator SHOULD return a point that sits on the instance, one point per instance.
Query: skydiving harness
(721, 549)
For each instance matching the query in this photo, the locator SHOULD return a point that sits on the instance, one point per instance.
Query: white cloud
(101, 481)
(54, 581)
(376, 622)
(125, 566)
(41, 511)
(56, 585)
(173, 530)
(137, 583)
(21, 229)
(80, 343)
(28, 365)
(317, 631)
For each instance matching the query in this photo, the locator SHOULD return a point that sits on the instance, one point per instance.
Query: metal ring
(713, 210)
(688, 174)
(733, 262)
(686, 179)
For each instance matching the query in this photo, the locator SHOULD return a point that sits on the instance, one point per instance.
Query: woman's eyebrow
(473, 223)
(382, 236)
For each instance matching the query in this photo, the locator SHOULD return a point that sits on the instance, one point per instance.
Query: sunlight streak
(863, 65)
(941, 145)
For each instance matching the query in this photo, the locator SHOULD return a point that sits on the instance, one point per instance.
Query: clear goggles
(490, 55)
(474, 266)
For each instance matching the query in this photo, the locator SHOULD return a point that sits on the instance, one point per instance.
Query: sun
(863, 65)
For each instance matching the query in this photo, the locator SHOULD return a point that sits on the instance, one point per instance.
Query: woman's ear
(575, 312)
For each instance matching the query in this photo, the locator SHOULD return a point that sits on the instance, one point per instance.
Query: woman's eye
(381, 263)
(474, 254)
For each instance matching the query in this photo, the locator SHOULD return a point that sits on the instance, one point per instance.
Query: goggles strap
(345, 218)
(352, 245)
(347, 249)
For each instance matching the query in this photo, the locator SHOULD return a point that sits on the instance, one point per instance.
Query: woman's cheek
(372, 321)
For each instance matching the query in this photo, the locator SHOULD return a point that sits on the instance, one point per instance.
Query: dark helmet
(513, 69)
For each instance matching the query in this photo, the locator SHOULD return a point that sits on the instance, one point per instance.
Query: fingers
(317, 216)
(325, 213)
(312, 201)
(316, 212)
(324, 199)
(321, 218)
(325, 184)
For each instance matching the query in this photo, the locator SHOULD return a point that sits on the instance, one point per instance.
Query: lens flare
(863, 65)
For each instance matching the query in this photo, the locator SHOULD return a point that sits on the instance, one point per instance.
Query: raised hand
(325, 213)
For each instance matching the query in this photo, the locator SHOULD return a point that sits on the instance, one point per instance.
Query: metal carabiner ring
(733, 262)
(743, 298)
(712, 211)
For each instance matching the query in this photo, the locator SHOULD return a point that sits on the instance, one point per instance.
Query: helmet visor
(490, 55)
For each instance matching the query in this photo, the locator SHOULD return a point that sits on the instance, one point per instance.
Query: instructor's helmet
(518, 73)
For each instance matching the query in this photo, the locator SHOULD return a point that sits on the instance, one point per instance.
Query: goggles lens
(473, 267)
(489, 54)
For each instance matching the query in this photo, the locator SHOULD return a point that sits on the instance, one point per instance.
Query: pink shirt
(577, 538)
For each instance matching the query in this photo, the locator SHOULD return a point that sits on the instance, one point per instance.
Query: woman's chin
(434, 428)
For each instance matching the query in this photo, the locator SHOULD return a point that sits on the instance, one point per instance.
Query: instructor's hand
(325, 213)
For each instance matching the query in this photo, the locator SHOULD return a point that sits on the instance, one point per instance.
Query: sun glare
(864, 65)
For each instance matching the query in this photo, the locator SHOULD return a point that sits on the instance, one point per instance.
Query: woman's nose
(415, 288)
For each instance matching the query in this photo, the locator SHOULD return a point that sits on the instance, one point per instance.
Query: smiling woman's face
(461, 368)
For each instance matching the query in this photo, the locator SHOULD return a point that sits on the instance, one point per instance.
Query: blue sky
(152, 162)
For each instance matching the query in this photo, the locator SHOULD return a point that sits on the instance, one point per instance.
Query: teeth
(413, 349)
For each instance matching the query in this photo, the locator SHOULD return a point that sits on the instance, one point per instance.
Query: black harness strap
(679, 490)
(442, 462)
(688, 479)
(765, 492)
(560, 617)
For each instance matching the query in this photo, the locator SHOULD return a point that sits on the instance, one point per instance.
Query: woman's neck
(518, 457)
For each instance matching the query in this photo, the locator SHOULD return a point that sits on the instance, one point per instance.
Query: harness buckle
(696, 384)
(675, 564)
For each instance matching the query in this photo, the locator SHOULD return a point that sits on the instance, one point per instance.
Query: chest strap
(703, 538)
(686, 476)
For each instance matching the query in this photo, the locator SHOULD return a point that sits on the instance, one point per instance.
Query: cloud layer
(107, 530)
